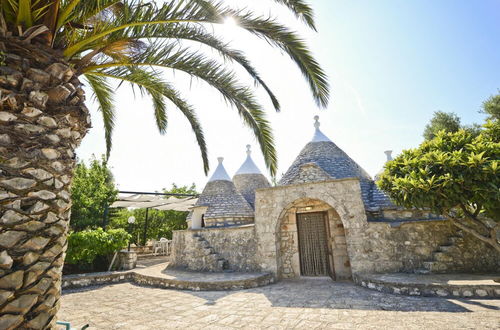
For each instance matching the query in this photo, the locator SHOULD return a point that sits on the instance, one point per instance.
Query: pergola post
(146, 222)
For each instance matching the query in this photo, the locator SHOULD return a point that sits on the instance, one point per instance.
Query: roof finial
(220, 159)
(388, 154)
(249, 151)
(316, 123)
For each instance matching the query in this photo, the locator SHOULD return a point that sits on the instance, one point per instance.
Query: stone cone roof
(248, 178)
(321, 151)
(222, 198)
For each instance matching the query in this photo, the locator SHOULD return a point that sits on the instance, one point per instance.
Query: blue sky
(391, 64)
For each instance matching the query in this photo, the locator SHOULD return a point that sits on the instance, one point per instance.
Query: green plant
(85, 246)
(455, 174)
(92, 191)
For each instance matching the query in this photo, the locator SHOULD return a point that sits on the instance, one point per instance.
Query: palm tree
(46, 46)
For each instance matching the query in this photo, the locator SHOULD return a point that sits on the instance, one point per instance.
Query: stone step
(448, 248)
(435, 266)
(443, 256)
(456, 239)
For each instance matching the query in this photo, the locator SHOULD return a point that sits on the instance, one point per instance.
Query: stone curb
(105, 278)
(429, 290)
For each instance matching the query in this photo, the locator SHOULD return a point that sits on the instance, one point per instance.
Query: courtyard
(306, 303)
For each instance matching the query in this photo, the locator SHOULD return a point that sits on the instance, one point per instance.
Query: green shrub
(85, 246)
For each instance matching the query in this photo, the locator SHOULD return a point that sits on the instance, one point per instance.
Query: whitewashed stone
(47, 122)
(7, 116)
(19, 183)
(50, 153)
(31, 112)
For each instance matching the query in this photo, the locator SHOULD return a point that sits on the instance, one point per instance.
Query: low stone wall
(105, 278)
(236, 245)
(433, 287)
(408, 247)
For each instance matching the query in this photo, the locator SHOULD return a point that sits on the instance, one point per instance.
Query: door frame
(330, 262)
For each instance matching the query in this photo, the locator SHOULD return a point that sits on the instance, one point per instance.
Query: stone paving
(309, 303)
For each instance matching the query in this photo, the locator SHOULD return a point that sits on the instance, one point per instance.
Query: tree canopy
(92, 191)
(447, 122)
(456, 174)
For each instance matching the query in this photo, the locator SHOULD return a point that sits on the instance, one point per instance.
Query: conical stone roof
(221, 197)
(333, 163)
(248, 178)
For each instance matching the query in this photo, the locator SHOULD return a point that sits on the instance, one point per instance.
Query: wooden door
(313, 244)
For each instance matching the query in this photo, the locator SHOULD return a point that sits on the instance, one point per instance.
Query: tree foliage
(132, 41)
(455, 174)
(85, 246)
(491, 107)
(92, 191)
(447, 122)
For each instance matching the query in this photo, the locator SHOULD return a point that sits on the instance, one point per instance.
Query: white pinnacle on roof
(388, 154)
(248, 167)
(220, 172)
(318, 135)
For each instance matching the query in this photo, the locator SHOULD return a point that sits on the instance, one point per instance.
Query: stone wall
(235, 245)
(372, 247)
(228, 221)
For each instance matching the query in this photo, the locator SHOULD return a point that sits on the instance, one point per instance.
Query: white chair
(163, 245)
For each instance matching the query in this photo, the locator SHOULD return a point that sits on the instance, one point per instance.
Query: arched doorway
(311, 241)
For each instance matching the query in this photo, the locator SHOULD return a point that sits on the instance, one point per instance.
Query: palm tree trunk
(42, 121)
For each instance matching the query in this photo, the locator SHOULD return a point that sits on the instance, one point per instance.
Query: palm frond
(197, 65)
(301, 9)
(147, 82)
(103, 94)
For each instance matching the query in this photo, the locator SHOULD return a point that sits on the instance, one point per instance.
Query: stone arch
(343, 196)
(287, 243)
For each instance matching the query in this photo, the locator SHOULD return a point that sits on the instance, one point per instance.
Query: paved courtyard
(302, 303)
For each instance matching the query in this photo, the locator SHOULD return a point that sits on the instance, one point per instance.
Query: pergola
(158, 201)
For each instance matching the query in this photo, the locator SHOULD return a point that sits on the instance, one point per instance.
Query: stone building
(326, 217)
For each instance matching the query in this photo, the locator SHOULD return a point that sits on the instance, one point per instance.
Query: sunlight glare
(230, 22)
